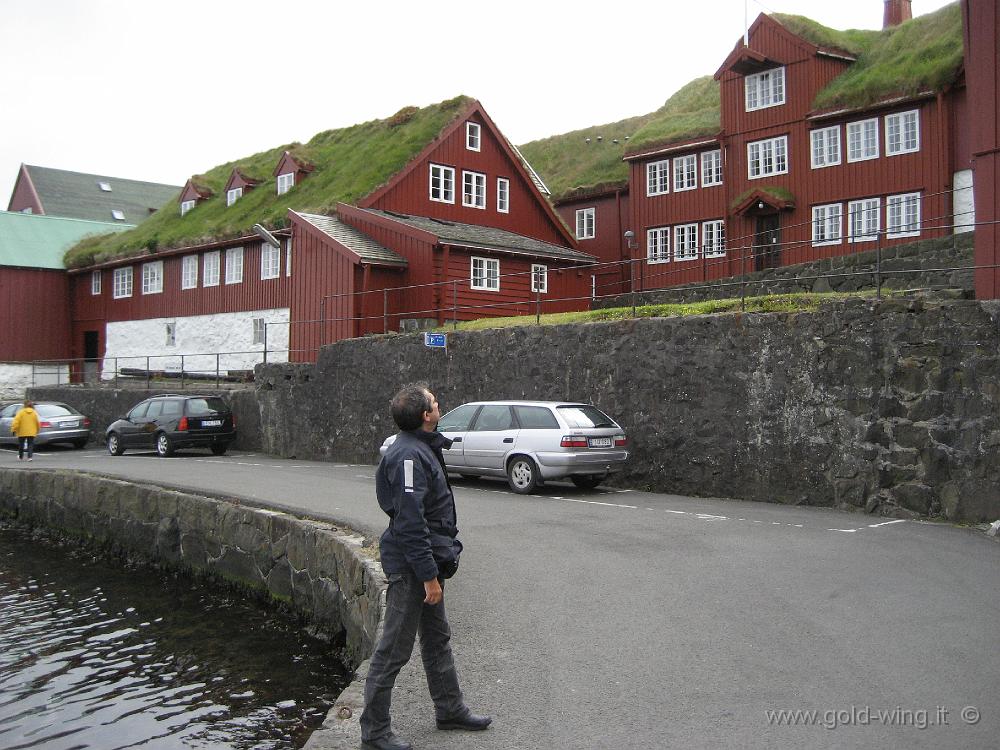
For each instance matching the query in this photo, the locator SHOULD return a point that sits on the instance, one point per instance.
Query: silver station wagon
(530, 442)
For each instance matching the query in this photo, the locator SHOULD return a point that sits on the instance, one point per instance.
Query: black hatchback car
(173, 421)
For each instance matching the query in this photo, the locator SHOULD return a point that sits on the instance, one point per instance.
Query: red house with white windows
(460, 231)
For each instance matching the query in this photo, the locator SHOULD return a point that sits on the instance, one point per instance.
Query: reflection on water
(94, 656)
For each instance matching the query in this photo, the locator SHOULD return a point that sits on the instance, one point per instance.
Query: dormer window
(765, 89)
(473, 133)
(104, 186)
(233, 195)
(285, 182)
(186, 206)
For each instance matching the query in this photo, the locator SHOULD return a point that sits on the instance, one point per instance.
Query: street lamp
(631, 245)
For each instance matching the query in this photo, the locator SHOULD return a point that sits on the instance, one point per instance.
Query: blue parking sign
(436, 340)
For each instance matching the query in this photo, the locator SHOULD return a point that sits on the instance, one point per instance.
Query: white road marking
(886, 523)
(846, 531)
(594, 502)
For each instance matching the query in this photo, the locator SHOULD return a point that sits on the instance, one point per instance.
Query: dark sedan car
(57, 423)
(173, 421)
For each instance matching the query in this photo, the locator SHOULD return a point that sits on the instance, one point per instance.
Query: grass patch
(773, 303)
(693, 111)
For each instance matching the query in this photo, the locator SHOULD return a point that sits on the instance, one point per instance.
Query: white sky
(162, 89)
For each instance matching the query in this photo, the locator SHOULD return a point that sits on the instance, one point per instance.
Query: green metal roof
(32, 241)
(81, 196)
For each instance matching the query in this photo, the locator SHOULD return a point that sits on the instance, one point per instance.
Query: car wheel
(164, 447)
(79, 443)
(219, 449)
(522, 475)
(587, 481)
(115, 447)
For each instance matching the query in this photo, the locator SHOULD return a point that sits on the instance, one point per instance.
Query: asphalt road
(619, 619)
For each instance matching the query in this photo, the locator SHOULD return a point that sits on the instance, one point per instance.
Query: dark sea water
(98, 656)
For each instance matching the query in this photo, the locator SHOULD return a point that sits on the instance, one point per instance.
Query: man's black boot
(389, 742)
(471, 722)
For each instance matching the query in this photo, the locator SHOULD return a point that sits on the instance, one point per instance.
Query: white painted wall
(16, 377)
(964, 201)
(198, 338)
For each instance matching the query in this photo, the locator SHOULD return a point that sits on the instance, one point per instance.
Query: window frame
(586, 214)
(902, 149)
(902, 199)
(687, 167)
(473, 136)
(822, 216)
(95, 283)
(152, 277)
(485, 277)
(718, 242)
(503, 195)
(258, 333)
(473, 198)
(270, 261)
(288, 257)
(539, 278)
(215, 277)
(284, 180)
(233, 195)
(661, 243)
(232, 254)
(660, 172)
(171, 333)
(821, 137)
(716, 167)
(862, 128)
(445, 175)
(772, 142)
(863, 213)
(775, 81)
(189, 280)
(122, 283)
(186, 206)
(685, 242)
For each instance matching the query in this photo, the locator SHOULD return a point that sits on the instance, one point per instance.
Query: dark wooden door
(767, 242)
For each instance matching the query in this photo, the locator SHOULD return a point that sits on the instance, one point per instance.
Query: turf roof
(349, 164)
(692, 112)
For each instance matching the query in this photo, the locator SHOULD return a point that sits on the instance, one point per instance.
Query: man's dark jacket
(411, 484)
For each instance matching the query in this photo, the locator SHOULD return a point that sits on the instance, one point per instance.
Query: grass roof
(692, 112)
(922, 54)
(349, 164)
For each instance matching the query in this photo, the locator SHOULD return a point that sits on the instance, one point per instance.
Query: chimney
(896, 11)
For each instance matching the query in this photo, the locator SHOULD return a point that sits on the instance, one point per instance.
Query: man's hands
(432, 589)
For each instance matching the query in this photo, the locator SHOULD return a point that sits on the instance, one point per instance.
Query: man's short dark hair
(409, 405)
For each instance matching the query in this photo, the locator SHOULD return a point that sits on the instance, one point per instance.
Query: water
(97, 656)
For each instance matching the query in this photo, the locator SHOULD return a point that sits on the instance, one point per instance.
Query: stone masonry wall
(889, 407)
(319, 570)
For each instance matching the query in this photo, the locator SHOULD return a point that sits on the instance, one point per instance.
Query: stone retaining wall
(320, 571)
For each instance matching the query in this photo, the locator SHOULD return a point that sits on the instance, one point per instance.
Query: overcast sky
(162, 89)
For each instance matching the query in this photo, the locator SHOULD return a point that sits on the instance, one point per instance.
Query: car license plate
(71, 423)
(600, 442)
(211, 423)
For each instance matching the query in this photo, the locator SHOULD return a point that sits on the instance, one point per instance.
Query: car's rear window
(585, 416)
(536, 418)
(199, 406)
(54, 410)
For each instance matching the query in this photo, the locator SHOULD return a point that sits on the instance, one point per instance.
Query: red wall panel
(34, 314)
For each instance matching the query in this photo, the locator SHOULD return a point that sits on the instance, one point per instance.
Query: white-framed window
(233, 195)
(117, 214)
(286, 182)
(685, 172)
(122, 286)
(658, 245)
(863, 220)
(503, 195)
(486, 274)
(210, 268)
(825, 147)
(152, 277)
(711, 168)
(539, 278)
(171, 334)
(189, 272)
(713, 238)
(288, 257)
(259, 326)
(902, 133)
(95, 282)
(585, 228)
(826, 224)
(234, 265)
(658, 177)
(442, 184)
(474, 189)
(186, 206)
(767, 157)
(473, 136)
(862, 140)
(765, 89)
(902, 215)
(104, 186)
(685, 242)
(270, 261)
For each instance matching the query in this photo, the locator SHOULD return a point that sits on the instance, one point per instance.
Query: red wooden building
(461, 231)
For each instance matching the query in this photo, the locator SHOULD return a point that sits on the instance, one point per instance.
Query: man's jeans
(25, 445)
(405, 615)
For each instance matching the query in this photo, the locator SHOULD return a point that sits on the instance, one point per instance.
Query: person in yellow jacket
(25, 427)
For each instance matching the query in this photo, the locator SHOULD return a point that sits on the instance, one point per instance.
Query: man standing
(25, 426)
(419, 550)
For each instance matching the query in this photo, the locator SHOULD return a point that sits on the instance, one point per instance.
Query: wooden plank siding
(34, 314)
(611, 219)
